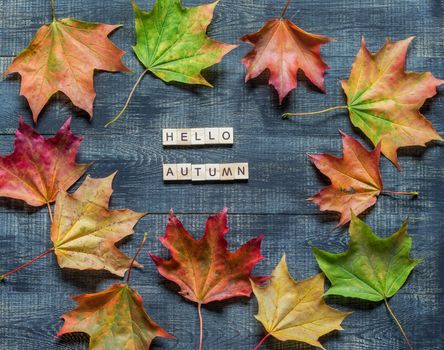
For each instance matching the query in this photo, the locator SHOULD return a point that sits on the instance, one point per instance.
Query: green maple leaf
(372, 268)
(171, 42)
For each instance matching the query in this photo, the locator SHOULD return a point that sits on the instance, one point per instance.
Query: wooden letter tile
(169, 137)
(184, 172)
(226, 136)
(211, 136)
(183, 137)
(241, 171)
(227, 172)
(198, 136)
(213, 172)
(169, 172)
(198, 172)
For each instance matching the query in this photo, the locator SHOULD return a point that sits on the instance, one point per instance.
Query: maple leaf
(113, 318)
(372, 268)
(384, 101)
(283, 48)
(355, 179)
(171, 43)
(62, 57)
(204, 269)
(292, 310)
(39, 168)
(85, 231)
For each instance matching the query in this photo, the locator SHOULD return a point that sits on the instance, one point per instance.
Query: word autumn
(198, 136)
(205, 172)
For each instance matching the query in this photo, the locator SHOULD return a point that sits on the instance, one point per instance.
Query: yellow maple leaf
(85, 231)
(292, 310)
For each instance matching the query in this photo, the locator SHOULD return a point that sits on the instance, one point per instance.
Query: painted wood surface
(272, 202)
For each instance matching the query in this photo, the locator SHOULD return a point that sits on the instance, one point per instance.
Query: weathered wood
(271, 202)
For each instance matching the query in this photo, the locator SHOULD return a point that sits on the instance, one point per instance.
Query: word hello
(199, 136)
(205, 172)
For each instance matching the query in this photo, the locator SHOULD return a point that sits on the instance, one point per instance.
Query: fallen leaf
(114, 319)
(283, 48)
(384, 100)
(171, 41)
(85, 231)
(355, 179)
(372, 268)
(204, 269)
(39, 168)
(62, 57)
(292, 310)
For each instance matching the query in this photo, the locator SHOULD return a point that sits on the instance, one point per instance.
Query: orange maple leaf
(114, 318)
(384, 100)
(355, 179)
(283, 48)
(62, 57)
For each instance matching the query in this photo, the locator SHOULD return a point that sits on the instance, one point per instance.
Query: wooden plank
(290, 234)
(31, 314)
(272, 202)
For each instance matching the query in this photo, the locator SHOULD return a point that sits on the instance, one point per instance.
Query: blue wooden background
(272, 202)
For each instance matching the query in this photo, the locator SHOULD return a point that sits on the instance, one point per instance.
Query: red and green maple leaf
(384, 101)
(113, 318)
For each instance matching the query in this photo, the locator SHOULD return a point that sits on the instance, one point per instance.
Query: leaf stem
(285, 8)
(409, 346)
(53, 10)
(261, 342)
(401, 193)
(2, 277)
(135, 257)
(128, 100)
(199, 311)
(286, 115)
(50, 212)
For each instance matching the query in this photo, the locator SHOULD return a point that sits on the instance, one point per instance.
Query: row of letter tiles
(205, 172)
(199, 136)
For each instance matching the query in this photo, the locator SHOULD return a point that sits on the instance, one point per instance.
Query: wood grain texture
(272, 202)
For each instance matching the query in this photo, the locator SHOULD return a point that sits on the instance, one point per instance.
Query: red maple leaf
(204, 269)
(39, 168)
